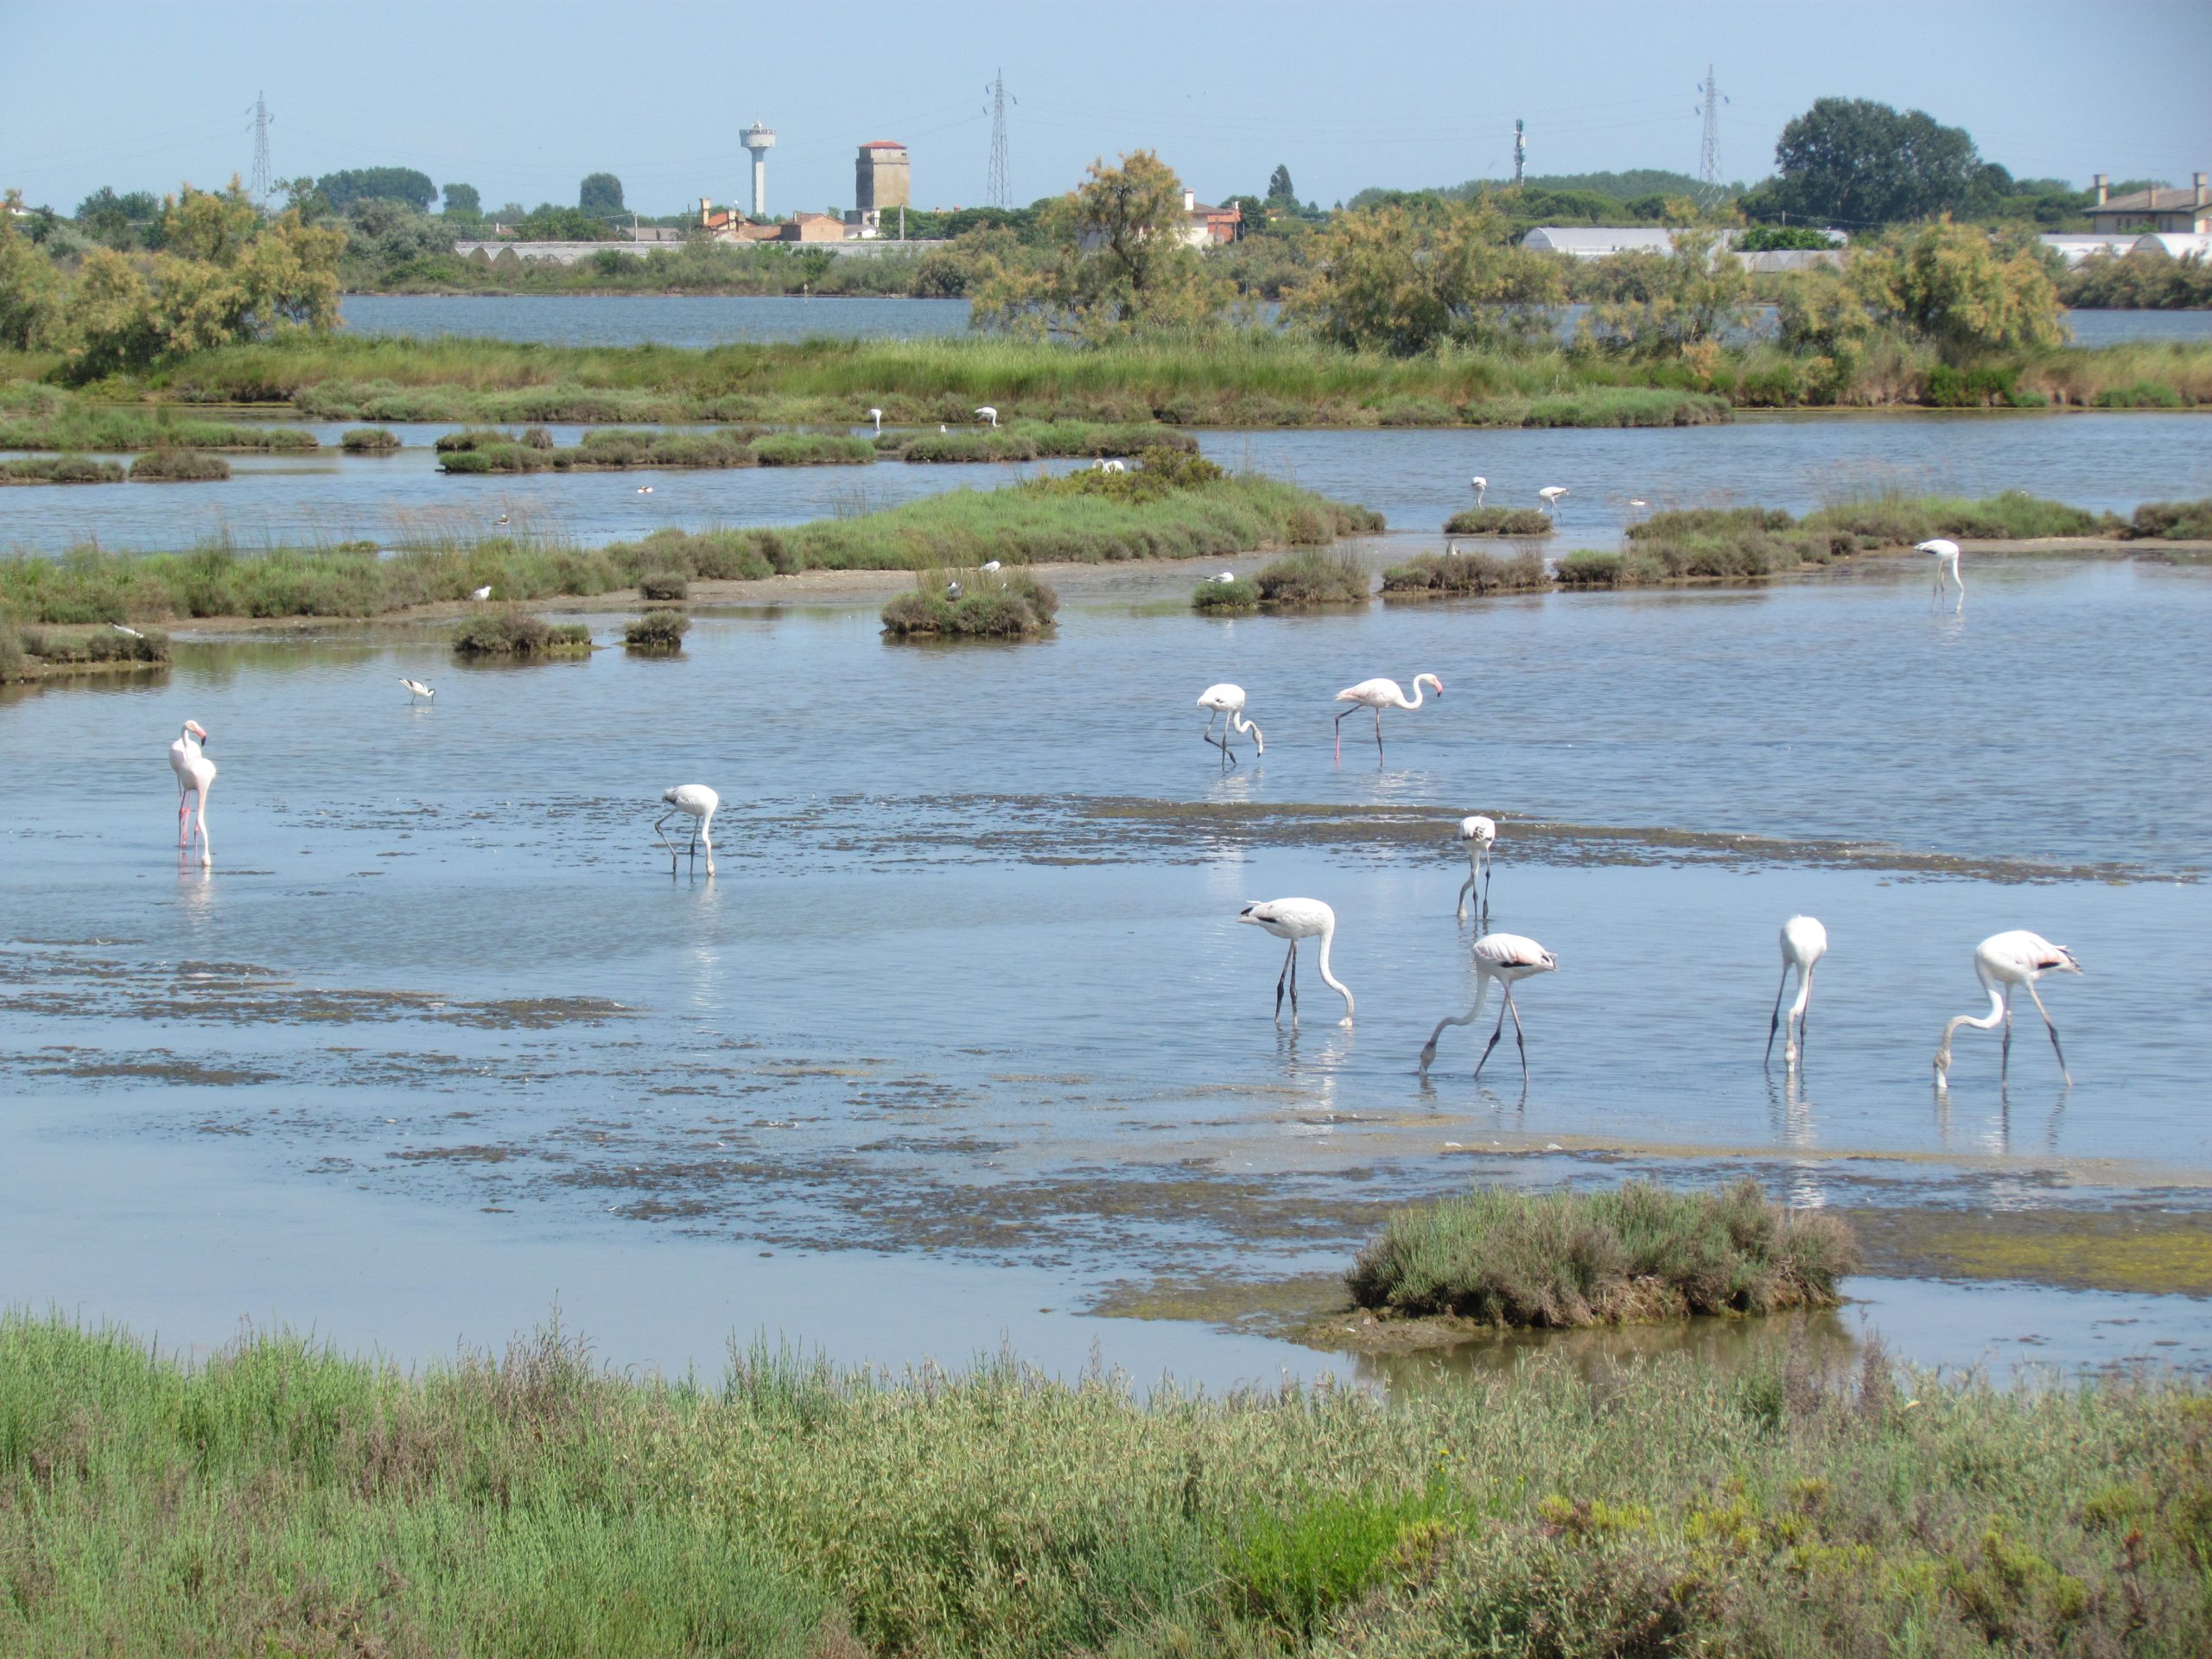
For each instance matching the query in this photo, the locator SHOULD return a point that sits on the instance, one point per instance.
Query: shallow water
(965, 1024)
(1416, 479)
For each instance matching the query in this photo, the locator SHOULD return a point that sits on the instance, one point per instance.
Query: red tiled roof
(883, 143)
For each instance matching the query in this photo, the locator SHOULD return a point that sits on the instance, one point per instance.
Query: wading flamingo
(1504, 958)
(1295, 919)
(1551, 494)
(1478, 832)
(1804, 941)
(698, 803)
(196, 775)
(1482, 489)
(416, 689)
(875, 416)
(1946, 554)
(1379, 695)
(1227, 699)
(987, 413)
(2003, 961)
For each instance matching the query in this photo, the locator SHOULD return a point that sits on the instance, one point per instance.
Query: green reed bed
(282, 1499)
(1033, 440)
(369, 441)
(482, 450)
(990, 604)
(1500, 521)
(1637, 1252)
(179, 466)
(1227, 598)
(28, 654)
(1466, 575)
(518, 633)
(41, 418)
(60, 470)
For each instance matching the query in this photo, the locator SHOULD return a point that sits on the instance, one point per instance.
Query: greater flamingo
(2006, 960)
(1505, 957)
(1379, 695)
(987, 413)
(1227, 699)
(1478, 832)
(1804, 941)
(1482, 489)
(1946, 554)
(196, 775)
(1295, 919)
(1551, 494)
(698, 803)
(416, 689)
(876, 416)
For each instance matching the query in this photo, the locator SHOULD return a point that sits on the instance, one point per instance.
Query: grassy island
(36, 653)
(1500, 521)
(972, 605)
(1466, 575)
(281, 1498)
(516, 633)
(60, 470)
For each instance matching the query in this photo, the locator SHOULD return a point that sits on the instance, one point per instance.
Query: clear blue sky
(521, 100)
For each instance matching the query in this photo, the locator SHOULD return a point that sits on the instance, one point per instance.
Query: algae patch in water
(2157, 1252)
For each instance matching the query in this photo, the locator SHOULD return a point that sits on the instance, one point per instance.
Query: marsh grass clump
(1634, 1253)
(1448, 576)
(369, 441)
(2174, 521)
(1500, 521)
(657, 633)
(1033, 440)
(1903, 520)
(179, 466)
(518, 633)
(96, 646)
(812, 450)
(991, 604)
(60, 470)
(1241, 594)
(46, 418)
(665, 585)
(1310, 578)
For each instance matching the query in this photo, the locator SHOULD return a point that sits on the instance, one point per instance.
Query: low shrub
(518, 633)
(1241, 594)
(179, 466)
(1309, 578)
(1637, 1252)
(1589, 567)
(1500, 521)
(2174, 521)
(1449, 575)
(60, 470)
(2143, 394)
(665, 585)
(369, 441)
(105, 645)
(1901, 521)
(812, 450)
(999, 605)
(13, 659)
(657, 632)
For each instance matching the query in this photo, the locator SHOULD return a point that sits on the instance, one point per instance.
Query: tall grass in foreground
(1635, 1252)
(281, 1499)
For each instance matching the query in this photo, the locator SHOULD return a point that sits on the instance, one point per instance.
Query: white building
(1600, 242)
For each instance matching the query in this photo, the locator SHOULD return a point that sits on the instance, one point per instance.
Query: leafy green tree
(463, 202)
(31, 289)
(1118, 260)
(385, 233)
(393, 183)
(1411, 276)
(1681, 303)
(600, 193)
(1280, 192)
(1959, 287)
(1853, 162)
(120, 222)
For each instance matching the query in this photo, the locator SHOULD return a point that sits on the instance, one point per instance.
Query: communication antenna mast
(260, 112)
(1708, 161)
(1520, 150)
(997, 192)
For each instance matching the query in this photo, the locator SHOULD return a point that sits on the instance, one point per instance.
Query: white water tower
(759, 139)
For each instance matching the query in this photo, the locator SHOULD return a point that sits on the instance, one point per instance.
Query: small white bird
(2008, 960)
(1224, 579)
(1295, 919)
(985, 412)
(1804, 941)
(876, 416)
(1634, 502)
(1504, 958)
(1551, 494)
(644, 489)
(501, 519)
(416, 689)
(1945, 552)
(942, 427)
(1450, 549)
(992, 567)
(485, 592)
(195, 776)
(1379, 695)
(128, 633)
(1482, 489)
(953, 590)
(1113, 467)
(699, 804)
(1227, 699)
(1478, 832)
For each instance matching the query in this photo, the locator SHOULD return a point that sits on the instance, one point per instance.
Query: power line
(1708, 161)
(997, 191)
(261, 120)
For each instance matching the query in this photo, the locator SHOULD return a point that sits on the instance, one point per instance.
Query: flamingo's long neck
(1328, 933)
(1804, 992)
(1416, 703)
(1238, 724)
(1988, 1022)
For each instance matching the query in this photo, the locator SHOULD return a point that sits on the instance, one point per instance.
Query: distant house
(2186, 212)
(1204, 226)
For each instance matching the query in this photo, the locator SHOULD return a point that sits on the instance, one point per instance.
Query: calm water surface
(1416, 478)
(965, 1028)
